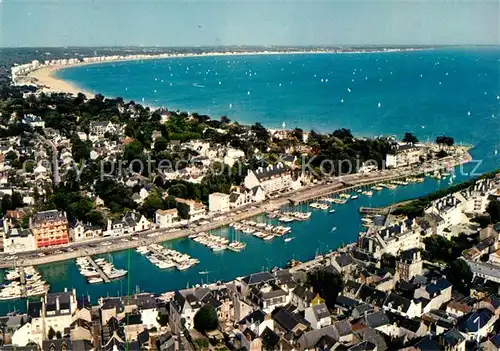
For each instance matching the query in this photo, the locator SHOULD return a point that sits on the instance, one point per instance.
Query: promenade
(144, 238)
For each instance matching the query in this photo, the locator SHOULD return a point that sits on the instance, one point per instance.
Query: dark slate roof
(270, 171)
(345, 302)
(343, 327)
(453, 337)
(470, 322)
(437, 287)
(287, 319)
(311, 338)
(270, 339)
(352, 287)
(256, 316)
(304, 293)
(397, 302)
(344, 260)
(427, 344)
(377, 319)
(364, 346)
(35, 309)
(372, 296)
(496, 340)
(362, 308)
(111, 303)
(57, 344)
(320, 311)
(257, 278)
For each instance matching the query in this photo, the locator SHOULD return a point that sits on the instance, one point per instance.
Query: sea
(453, 92)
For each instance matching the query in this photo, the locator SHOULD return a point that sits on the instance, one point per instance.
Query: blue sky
(194, 23)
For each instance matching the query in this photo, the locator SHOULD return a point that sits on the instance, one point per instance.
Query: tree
(445, 140)
(161, 144)
(17, 200)
(206, 319)
(410, 138)
(162, 319)
(58, 335)
(325, 283)
(460, 275)
(6, 203)
(51, 334)
(493, 210)
(183, 210)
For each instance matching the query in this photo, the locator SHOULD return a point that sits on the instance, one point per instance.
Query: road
(130, 241)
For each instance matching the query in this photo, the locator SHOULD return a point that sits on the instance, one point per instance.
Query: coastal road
(131, 241)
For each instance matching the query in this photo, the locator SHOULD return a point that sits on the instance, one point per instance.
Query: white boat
(218, 248)
(95, 280)
(288, 239)
(332, 211)
(354, 197)
(269, 237)
(333, 229)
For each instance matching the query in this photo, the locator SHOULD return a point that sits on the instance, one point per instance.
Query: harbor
(165, 258)
(23, 282)
(98, 270)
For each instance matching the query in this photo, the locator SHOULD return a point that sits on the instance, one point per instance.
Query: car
(135, 238)
(124, 240)
(41, 254)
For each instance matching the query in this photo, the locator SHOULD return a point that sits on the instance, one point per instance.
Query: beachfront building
(130, 223)
(218, 202)
(50, 228)
(196, 209)
(403, 155)
(18, 240)
(166, 218)
(475, 199)
(392, 239)
(81, 231)
(272, 179)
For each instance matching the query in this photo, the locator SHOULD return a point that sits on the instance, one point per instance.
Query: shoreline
(45, 77)
(162, 235)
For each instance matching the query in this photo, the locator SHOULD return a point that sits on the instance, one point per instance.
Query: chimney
(57, 303)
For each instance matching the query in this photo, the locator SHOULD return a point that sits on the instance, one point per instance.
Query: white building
(166, 218)
(318, 316)
(101, 128)
(273, 178)
(449, 208)
(18, 240)
(232, 155)
(54, 310)
(403, 155)
(33, 121)
(392, 240)
(218, 202)
(83, 231)
(196, 209)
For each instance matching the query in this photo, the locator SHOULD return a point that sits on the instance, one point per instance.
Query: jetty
(98, 269)
(384, 211)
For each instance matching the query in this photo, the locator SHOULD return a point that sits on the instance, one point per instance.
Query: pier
(98, 269)
(374, 210)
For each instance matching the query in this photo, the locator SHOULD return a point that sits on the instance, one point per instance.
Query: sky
(250, 22)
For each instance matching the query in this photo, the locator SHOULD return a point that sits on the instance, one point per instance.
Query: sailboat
(289, 239)
(333, 229)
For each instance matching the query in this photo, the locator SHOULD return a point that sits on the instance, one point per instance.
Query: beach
(46, 78)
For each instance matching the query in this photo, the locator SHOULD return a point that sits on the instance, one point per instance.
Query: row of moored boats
(165, 258)
(23, 282)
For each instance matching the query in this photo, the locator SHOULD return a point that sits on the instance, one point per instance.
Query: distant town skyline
(202, 23)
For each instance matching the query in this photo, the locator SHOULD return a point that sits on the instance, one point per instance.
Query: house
(233, 155)
(18, 240)
(99, 128)
(437, 293)
(478, 324)
(50, 228)
(268, 297)
(256, 280)
(130, 223)
(81, 231)
(289, 323)
(315, 339)
(54, 310)
(33, 121)
(318, 316)
(257, 321)
(218, 202)
(166, 218)
(403, 306)
(449, 208)
(272, 179)
(453, 340)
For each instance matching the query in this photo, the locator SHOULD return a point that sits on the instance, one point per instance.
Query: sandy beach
(46, 77)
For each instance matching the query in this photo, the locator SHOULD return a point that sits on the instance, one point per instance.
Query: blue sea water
(453, 92)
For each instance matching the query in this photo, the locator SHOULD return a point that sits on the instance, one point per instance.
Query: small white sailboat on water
(333, 229)
(289, 239)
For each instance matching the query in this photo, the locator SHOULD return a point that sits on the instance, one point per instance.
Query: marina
(23, 282)
(165, 258)
(217, 243)
(98, 270)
